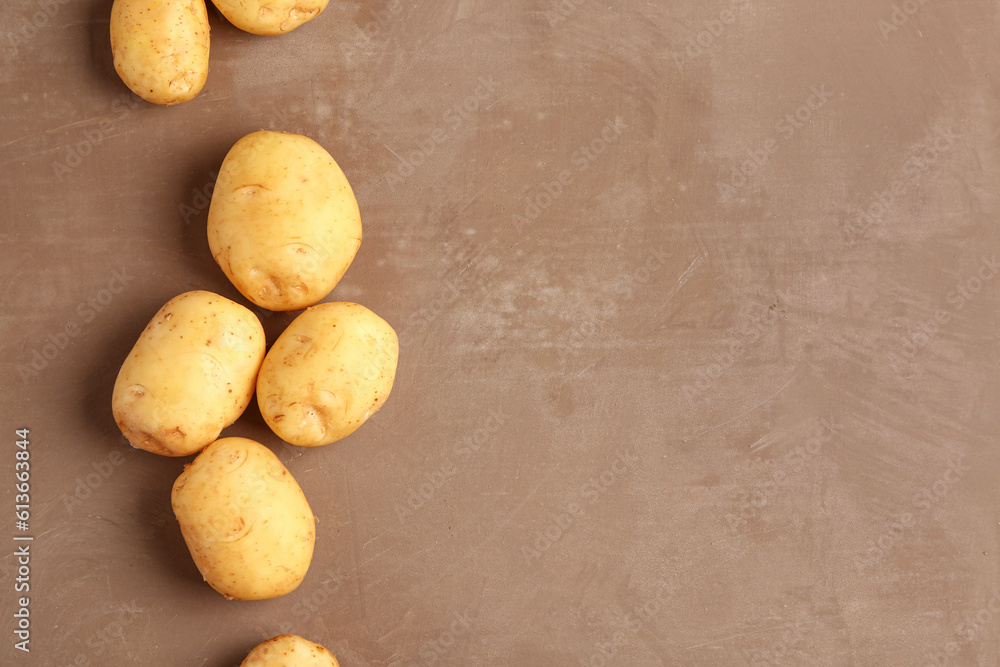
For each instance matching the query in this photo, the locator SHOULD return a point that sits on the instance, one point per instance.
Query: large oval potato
(191, 374)
(270, 17)
(160, 48)
(245, 520)
(289, 651)
(330, 370)
(283, 223)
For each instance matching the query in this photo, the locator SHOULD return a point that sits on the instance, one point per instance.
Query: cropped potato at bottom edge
(289, 651)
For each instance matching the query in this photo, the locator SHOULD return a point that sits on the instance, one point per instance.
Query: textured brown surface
(638, 370)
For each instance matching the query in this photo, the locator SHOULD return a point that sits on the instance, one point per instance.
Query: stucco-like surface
(697, 306)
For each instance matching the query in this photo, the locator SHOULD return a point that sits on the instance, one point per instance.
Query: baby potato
(289, 651)
(283, 223)
(330, 370)
(191, 374)
(270, 17)
(160, 48)
(245, 520)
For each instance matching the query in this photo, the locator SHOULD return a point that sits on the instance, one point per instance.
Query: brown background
(651, 329)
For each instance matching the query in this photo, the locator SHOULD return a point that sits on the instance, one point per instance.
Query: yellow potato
(283, 223)
(160, 48)
(270, 17)
(289, 651)
(190, 374)
(245, 520)
(330, 370)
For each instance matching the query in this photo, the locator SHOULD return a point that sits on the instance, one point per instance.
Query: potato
(270, 17)
(191, 373)
(330, 370)
(289, 651)
(160, 48)
(283, 223)
(245, 520)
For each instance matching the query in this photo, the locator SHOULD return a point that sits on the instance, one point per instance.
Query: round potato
(191, 374)
(289, 651)
(160, 48)
(283, 223)
(330, 370)
(245, 520)
(270, 17)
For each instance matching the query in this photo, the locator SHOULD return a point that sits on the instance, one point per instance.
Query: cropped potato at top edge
(270, 17)
(327, 373)
(191, 373)
(283, 223)
(289, 651)
(245, 520)
(160, 48)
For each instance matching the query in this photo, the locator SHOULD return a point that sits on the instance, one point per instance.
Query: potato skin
(289, 651)
(283, 223)
(270, 17)
(330, 370)
(160, 48)
(191, 373)
(245, 520)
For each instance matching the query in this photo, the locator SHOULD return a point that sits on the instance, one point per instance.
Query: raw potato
(283, 223)
(330, 370)
(289, 651)
(270, 17)
(160, 48)
(245, 520)
(191, 374)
